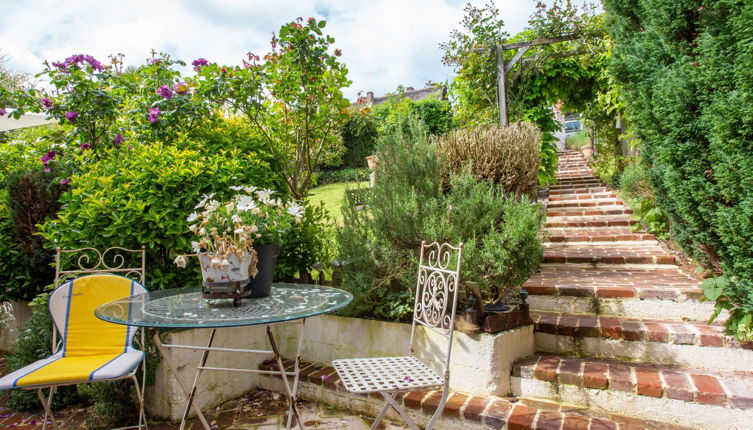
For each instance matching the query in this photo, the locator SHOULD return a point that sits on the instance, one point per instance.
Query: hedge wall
(686, 72)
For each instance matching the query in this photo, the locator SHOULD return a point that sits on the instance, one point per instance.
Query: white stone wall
(480, 365)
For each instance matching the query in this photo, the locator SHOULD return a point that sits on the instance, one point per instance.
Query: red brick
(521, 418)
(610, 328)
(595, 375)
(414, 398)
(431, 402)
(615, 292)
(474, 408)
(547, 324)
(602, 424)
(620, 378)
(682, 334)
(549, 420)
(677, 385)
(546, 369)
(567, 325)
(454, 404)
(657, 332)
(570, 372)
(708, 390)
(540, 290)
(740, 393)
(497, 412)
(575, 422)
(588, 326)
(576, 291)
(710, 336)
(648, 382)
(657, 293)
(633, 330)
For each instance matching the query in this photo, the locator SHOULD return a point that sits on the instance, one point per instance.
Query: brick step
(599, 210)
(583, 203)
(642, 340)
(582, 190)
(604, 236)
(589, 221)
(578, 181)
(606, 254)
(581, 196)
(697, 398)
(619, 293)
(462, 411)
(577, 186)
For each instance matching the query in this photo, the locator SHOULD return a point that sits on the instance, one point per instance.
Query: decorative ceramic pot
(261, 284)
(234, 268)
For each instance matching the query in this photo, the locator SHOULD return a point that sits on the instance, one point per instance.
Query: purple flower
(154, 115)
(85, 146)
(156, 61)
(2, 111)
(65, 181)
(165, 92)
(198, 63)
(47, 103)
(181, 88)
(71, 116)
(118, 139)
(76, 60)
(48, 157)
(47, 170)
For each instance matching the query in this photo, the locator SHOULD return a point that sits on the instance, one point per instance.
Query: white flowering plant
(232, 227)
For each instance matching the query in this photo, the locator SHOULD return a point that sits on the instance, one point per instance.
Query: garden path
(618, 323)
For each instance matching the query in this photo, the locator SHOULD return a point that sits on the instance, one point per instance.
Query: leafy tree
(293, 96)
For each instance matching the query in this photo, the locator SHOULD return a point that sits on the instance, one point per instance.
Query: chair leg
(440, 407)
(140, 395)
(47, 404)
(381, 415)
(404, 415)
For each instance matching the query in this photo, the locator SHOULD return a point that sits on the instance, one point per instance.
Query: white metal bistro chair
(436, 301)
(90, 350)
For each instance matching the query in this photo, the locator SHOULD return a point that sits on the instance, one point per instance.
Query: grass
(332, 195)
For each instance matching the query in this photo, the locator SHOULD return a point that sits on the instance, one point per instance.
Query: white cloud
(385, 43)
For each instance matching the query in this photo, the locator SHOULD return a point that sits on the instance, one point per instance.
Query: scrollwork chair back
(70, 263)
(437, 290)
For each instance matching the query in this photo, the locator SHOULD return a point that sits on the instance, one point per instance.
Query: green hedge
(686, 71)
(143, 196)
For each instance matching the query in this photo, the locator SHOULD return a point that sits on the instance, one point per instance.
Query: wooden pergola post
(503, 69)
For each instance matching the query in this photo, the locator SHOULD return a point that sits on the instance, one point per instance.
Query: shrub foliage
(686, 70)
(508, 156)
(417, 197)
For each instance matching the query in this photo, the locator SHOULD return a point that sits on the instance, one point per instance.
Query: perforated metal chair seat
(374, 375)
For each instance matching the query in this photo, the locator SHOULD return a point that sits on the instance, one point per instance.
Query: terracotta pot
(587, 150)
(372, 161)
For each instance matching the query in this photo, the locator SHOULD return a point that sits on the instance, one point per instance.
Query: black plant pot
(261, 284)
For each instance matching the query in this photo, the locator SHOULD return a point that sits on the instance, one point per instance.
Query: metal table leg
(166, 356)
(291, 391)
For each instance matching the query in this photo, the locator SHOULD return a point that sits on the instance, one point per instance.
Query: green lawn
(332, 195)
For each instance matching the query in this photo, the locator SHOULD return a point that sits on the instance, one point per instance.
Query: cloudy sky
(385, 42)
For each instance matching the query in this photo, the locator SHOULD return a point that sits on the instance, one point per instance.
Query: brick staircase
(619, 326)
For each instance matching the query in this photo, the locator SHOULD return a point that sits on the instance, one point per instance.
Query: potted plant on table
(239, 239)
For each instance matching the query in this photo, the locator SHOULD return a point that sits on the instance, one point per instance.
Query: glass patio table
(186, 308)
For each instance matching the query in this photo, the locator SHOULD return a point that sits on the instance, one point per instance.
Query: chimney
(409, 89)
(370, 97)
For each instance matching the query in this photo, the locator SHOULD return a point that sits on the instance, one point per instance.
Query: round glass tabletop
(186, 308)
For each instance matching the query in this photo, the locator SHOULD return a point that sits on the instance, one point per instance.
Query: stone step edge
(633, 330)
(600, 238)
(489, 411)
(684, 384)
(615, 292)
